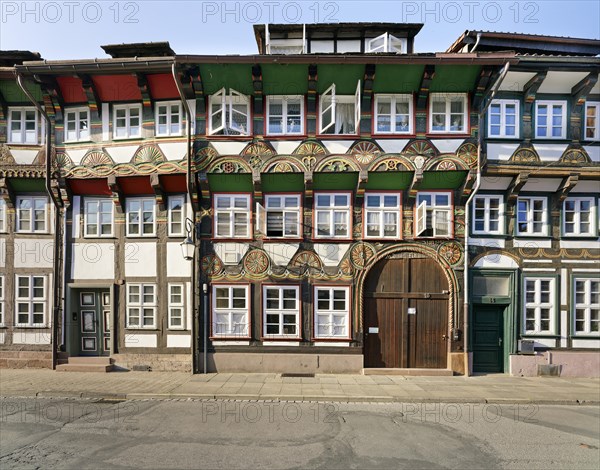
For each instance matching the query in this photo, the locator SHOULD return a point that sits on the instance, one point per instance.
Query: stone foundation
(570, 363)
(156, 362)
(25, 360)
(286, 363)
(459, 363)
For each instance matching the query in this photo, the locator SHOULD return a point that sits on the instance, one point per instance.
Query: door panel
(488, 332)
(430, 333)
(94, 330)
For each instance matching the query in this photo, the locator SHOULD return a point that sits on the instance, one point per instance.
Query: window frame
(232, 210)
(140, 223)
(78, 111)
(230, 311)
(127, 107)
(18, 218)
(171, 306)
(23, 123)
(3, 216)
(404, 97)
(434, 208)
(284, 111)
(331, 209)
(596, 127)
(486, 217)
(298, 212)
(503, 135)
(381, 210)
(226, 108)
(170, 231)
(530, 221)
(343, 99)
(31, 300)
(550, 104)
(141, 305)
(538, 306)
(329, 312)
(99, 233)
(448, 114)
(2, 289)
(593, 218)
(587, 305)
(297, 312)
(169, 117)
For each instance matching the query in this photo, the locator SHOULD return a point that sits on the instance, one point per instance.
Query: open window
(339, 114)
(385, 43)
(261, 219)
(434, 215)
(229, 113)
(421, 218)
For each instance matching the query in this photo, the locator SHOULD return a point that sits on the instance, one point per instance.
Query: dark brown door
(406, 313)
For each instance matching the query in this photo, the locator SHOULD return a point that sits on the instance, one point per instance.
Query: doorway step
(412, 372)
(86, 364)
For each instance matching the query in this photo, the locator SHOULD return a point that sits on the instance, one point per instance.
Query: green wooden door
(488, 339)
(94, 315)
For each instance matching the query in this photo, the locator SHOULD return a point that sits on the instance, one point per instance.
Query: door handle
(499, 341)
(444, 337)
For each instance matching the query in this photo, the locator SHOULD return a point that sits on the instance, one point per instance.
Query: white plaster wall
(281, 253)
(561, 82)
(495, 183)
(122, 154)
(338, 146)
(587, 187)
(77, 155)
(331, 253)
(133, 340)
(528, 243)
(501, 151)
(93, 261)
(174, 150)
(23, 157)
(2, 337)
(580, 244)
(229, 148)
(586, 343)
(285, 147)
(496, 261)
(105, 122)
(230, 253)
(76, 216)
(447, 145)
(179, 341)
(188, 295)
(2, 252)
(515, 81)
(33, 253)
(593, 152)
(542, 185)
(392, 145)
(550, 152)
(487, 242)
(176, 265)
(32, 337)
(140, 259)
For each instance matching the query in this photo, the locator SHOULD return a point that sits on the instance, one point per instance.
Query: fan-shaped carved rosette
(256, 262)
(420, 147)
(361, 254)
(96, 158)
(311, 147)
(148, 154)
(451, 252)
(467, 152)
(260, 148)
(307, 260)
(211, 265)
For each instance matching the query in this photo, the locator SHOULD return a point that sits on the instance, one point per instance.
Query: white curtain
(344, 118)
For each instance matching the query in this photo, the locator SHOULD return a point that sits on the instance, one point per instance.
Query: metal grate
(291, 374)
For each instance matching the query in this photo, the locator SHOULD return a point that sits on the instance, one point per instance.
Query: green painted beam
(335, 181)
(12, 93)
(236, 76)
(282, 182)
(454, 78)
(230, 183)
(27, 185)
(345, 77)
(397, 78)
(397, 180)
(443, 179)
(285, 79)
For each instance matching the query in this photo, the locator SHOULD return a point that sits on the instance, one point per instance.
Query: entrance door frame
(73, 290)
(410, 248)
(509, 342)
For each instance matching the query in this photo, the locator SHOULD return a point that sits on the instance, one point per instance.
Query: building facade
(350, 204)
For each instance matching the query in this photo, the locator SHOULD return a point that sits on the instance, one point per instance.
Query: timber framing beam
(529, 92)
(92, 96)
(579, 93)
(366, 100)
(117, 193)
(159, 193)
(422, 97)
(258, 98)
(517, 183)
(3, 107)
(7, 194)
(467, 186)
(147, 109)
(311, 102)
(192, 77)
(415, 183)
(566, 186)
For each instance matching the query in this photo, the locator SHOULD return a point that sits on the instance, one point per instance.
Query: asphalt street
(215, 434)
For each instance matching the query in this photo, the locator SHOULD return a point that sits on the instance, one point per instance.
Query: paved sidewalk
(342, 388)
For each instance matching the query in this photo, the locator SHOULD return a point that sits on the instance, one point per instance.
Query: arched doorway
(406, 300)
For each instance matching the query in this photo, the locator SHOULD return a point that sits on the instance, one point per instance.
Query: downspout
(56, 275)
(189, 186)
(476, 42)
(487, 101)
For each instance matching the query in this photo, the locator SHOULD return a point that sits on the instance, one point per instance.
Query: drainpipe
(56, 275)
(189, 186)
(480, 132)
(476, 42)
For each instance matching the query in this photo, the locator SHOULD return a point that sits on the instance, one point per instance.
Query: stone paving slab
(164, 385)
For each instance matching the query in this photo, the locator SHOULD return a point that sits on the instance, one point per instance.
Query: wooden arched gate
(406, 299)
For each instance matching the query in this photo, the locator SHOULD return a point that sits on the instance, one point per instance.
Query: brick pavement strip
(160, 385)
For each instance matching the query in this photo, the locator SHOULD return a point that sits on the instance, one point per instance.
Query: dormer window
(386, 43)
(229, 113)
(339, 114)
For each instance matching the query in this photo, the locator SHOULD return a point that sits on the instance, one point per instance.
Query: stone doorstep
(411, 372)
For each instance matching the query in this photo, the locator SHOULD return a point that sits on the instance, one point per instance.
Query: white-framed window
(1, 300)
(2, 215)
(332, 215)
(503, 119)
(434, 214)
(22, 125)
(98, 217)
(32, 214)
(551, 119)
(281, 311)
(586, 318)
(127, 121)
(141, 306)
(386, 43)
(30, 300)
(539, 305)
(77, 124)
(382, 215)
(176, 306)
(339, 114)
(141, 217)
(230, 312)
(168, 118)
(285, 115)
(579, 216)
(448, 112)
(176, 216)
(393, 114)
(282, 215)
(532, 216)
(229, 113)
(488, 215)
(332, 312)
(592, 121)
(232, 215)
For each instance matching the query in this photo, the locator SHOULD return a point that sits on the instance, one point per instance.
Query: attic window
(385, 43)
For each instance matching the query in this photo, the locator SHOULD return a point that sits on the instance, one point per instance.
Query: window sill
(70, 142)
(332, 340)
(533, 236)
(129, 137)
(232, 240)
(92, 237)
(489, 235)
(230, 338)
(331, 240)
(540, 335)
(280, 338)
(382, 239)
(136, 328)
(24, 144)
(580, 237)
(400, 135)
(29, 327)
